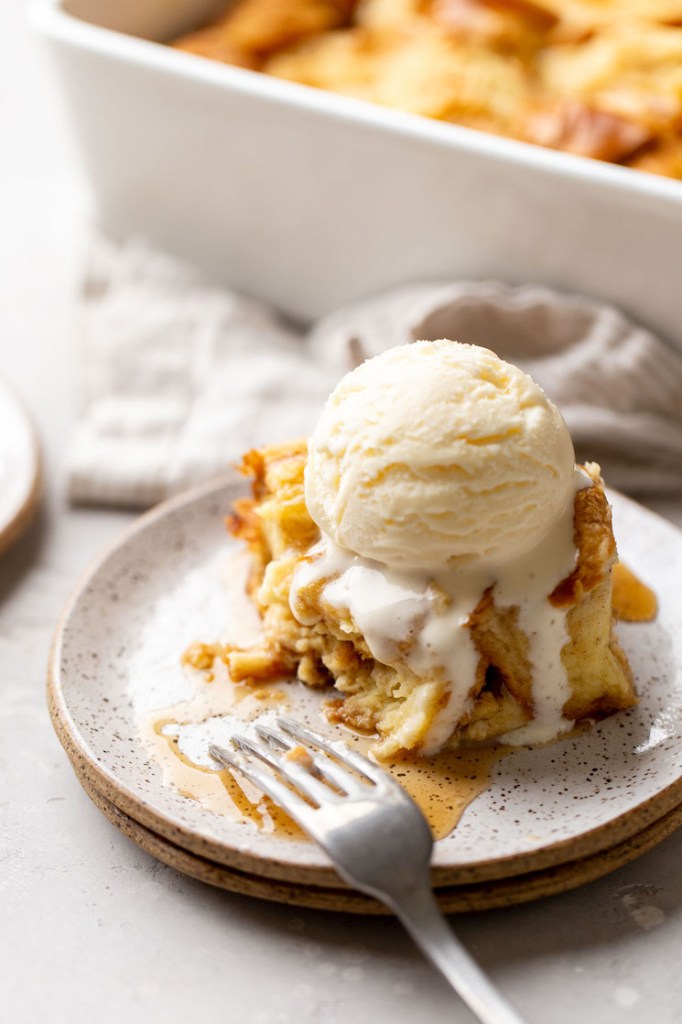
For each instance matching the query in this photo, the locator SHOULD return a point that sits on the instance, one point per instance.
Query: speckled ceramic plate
(19, 468)
(116, 665)
(454, 899)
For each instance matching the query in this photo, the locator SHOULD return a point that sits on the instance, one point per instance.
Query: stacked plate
(19, 468)
(550, 818)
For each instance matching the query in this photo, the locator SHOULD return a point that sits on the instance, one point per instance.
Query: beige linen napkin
(178, 378)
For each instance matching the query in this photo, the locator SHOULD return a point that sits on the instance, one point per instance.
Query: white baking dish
(309, 200)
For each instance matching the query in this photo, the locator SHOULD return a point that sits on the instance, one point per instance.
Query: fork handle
(422, 917)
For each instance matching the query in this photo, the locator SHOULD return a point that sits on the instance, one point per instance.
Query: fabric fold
(178, 378)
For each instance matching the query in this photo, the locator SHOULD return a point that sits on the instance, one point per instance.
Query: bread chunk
(393, 700)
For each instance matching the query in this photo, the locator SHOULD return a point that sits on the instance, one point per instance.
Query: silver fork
(376, 836)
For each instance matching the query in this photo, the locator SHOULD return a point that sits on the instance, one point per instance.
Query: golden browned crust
(593, 537)
(663, 155)
(576, 127)
(597, 79)
(392, 700)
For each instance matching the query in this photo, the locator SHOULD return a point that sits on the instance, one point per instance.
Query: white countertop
(91, 927)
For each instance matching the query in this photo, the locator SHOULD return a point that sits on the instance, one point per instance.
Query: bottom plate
(452, 899)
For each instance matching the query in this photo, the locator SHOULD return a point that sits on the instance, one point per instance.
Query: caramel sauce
(443, 786)
(633, 600)
(261, 810)
(217, 791)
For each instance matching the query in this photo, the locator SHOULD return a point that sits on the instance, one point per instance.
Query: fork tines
(315, 769)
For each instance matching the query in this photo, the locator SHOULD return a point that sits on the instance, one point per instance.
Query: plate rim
(27, 506)
(592, 841)
(474, 897)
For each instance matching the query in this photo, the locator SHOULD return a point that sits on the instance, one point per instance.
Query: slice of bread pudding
(317, 640)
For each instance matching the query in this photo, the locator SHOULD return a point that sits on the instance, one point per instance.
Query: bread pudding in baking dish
(434, 554)
(599, 78)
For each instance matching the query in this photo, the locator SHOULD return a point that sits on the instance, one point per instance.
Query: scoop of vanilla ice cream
(436, 453)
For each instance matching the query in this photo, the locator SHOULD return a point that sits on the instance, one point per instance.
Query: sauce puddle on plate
(443, 786)
(178, 737)
(633, 601)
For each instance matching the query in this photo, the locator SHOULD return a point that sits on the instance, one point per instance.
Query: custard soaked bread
(453, 584)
